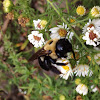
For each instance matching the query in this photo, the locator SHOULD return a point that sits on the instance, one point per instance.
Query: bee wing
(40, 53)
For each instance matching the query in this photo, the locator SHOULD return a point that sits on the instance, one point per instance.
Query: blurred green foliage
(15, 61)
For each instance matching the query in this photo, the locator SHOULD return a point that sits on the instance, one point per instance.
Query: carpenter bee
(51, 51)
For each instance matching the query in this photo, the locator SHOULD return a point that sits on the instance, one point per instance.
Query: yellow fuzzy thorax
(51, 46)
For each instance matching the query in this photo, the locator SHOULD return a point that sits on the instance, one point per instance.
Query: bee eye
(50, 42)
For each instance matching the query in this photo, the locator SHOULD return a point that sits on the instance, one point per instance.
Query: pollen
(66, 68)
(37, 38)
(80, 10)
(43, 23)
(92, 35)
(62, 32)
(77, 81)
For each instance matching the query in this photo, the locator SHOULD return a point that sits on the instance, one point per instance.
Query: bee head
(51, 47)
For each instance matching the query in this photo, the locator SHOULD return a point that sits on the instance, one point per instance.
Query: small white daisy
(36, 39)
(82, 70)
(94, 89)
(92, 23)
(95, 11)
(92, 37)
(21, 91)
(60, 32)
(97, 58)
(7, 3)
(39, 24)
(65, 70)
(82, 89)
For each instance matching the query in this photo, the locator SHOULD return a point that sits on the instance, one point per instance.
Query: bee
(51, 51)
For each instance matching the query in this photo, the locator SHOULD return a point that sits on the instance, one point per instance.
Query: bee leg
(43, 65)
(55, 70)
(54, 62)
(61, 64)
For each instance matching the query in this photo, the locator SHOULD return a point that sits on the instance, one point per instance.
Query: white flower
(7, 3)
(60, 32)
(36, 39)
(92, 37)
(82, 89)
(82, 70)
(95, 11)
(21, 91)
(94, 89)
(94, 23)
(39, 24)
(97, 58)
(65, 70)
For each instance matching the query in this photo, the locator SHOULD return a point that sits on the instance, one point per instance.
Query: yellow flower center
(43, 23)
(77, 81)
(80, 10)
(62, 32)
(72, 20)
(95, 12)
(66, 68)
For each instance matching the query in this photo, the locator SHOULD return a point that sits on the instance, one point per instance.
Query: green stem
(67, 6)
(53, 7)
(79, 21)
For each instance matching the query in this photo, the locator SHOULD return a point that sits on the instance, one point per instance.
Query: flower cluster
(90, 34)
(36, 38)
(94, 12)
(61, 31)
(91, 30)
